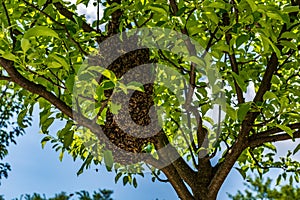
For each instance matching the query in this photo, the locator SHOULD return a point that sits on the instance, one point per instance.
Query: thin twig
(9, 24)
(98, 15)
(156, 175)
(170, 61)
(5, 78)
(186, 140)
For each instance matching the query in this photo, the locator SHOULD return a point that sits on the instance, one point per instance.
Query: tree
(259, 189)
(82, 195)
(136, 87)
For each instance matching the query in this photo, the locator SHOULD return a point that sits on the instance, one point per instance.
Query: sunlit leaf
(40, 31)
(287, 129)
(108, 159)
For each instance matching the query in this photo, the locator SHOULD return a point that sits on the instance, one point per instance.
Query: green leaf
(85, 164)
(269, 95)
(80, 171)
(289, 9)
(242, 111)
(54, 65)
(135, 86)
(278, 180)
(213, 17)
(296, 177)
(45, 140)
(61, 156)
(9, 56)
(196, 60)
(296, 149)
(25, 45)
(109, 74)
(21, 117)
(79, 1)
(289, 44)
(60, 60)
(134, 182)
(122, 86)
(181, 11)
(158, 8)
(268, 41)
(114, 108)
(220, 5)
(68, 138)
(284, 175)
(148, 148)
(44, 115)
(108, 159)
(274, 15)
(205, 108)
(287, 129)
(252, 5)
(41, 2)
(222, 47)
(266, 44)
(289, 35)
(241, 39)
(270, 146)
(108, 11)
(107, 85)
(118, 177)
(231, 112)
(240, 81)
(284, 102)
(125, 180)
(45, 125)
(40, 31)
(70, 82)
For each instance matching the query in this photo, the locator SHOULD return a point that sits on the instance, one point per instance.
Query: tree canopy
(259, 189)
(82, 195)
(166, 86)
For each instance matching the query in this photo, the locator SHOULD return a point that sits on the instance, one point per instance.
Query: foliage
(82, 195)
(10, 103)
(254, 45)
(259, 189)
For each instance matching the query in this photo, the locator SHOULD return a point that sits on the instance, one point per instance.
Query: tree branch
(266, 81)
(272, 131)
(85, 26)
(242, 141)
(5, 78)
(157, 176)
(167, 154)
(68, 14)
(192, 50)
(33, 87)
(177, 182)
(276, 130)
(254, 142)
(187, 142)
(233, 62)
(114, 24)
(40, 90)
(224, 168)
